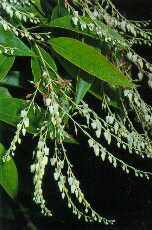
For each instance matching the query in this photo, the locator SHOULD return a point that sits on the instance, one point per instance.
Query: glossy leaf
(9, 39)
(4, 68)
(88, 59)
(8, 175)
(73, 71)
(36, 64)
(36, 69)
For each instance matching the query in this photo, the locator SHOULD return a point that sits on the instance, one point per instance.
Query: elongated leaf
(9, 39)
(97, 86)
(73, 71)
(88, 59)
(67, 23)
(36, 69)
(8, 175)
(81, 89)
(36, 64)
(6, 63)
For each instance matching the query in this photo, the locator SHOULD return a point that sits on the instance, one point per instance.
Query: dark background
(111, 192)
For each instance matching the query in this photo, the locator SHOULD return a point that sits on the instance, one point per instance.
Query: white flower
(56, 175)
(23, 131)
(38, 154)
(91, 26)
(83, 25)
(60, 164)
(75, 20)
(107, 136)
(103, 155)
(109, 119)
(26, 122)
(129, 55)
(50, 109)
(73, 188)
(96, 149)
(40, 144)
(61, 186)
(98, 133)
(33, 167)
(46, 151)
(123, 25)
(53, 161)
(47, 101)
(70, 180)
(116, 126)
(95, 13)
(90, 142)
(23, 113)
(140, 76)
(94, 124)
(55, 107)
(45, 160)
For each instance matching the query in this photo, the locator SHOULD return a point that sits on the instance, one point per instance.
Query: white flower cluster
(74, 184)
(38, 169)
(13, 11)
(7, 50)
(136, 59)
(21, 128)
(56, 119)
(127, 137)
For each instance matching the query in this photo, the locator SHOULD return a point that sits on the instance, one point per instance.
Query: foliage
(74, 47)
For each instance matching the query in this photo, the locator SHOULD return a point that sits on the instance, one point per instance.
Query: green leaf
(6, 63)
(12, 79)
(9, 39)
(37, 66)
(67, 24)
(96, 85)
(88, 59)
(81, 89)
(36, 69)
(8, 175)
(4, 92)
(58, 11)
